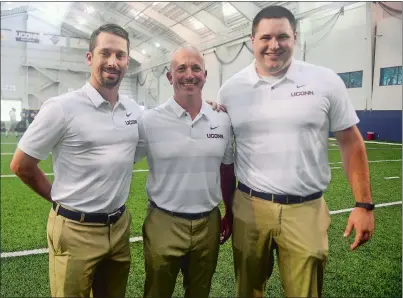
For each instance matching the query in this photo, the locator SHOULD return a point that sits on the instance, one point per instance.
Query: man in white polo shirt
(92, 134)
(281, 112)
(189, 151)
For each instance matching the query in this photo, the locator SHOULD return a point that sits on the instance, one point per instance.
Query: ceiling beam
(242, 34)
(208, 20)
(133, 53)
(248, 9)
(333, 5)
(127, 22)
(187, 34)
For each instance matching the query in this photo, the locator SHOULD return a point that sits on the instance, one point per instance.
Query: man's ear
(169, 77)
(252, 39)
(88, 57)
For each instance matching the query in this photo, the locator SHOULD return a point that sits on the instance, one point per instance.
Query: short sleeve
(219, 96)
(342, 114)
(45, 131)
(141, 149)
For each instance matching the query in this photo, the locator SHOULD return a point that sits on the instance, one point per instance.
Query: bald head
(187, 73)
(188, 49)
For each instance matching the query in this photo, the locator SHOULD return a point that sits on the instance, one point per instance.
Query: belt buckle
(113, 214)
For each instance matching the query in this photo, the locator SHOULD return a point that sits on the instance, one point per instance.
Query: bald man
(189, 151)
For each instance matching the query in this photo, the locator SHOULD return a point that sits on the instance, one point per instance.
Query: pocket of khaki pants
(148, 214)
(327, 212)
(51, 224)
(57, 232)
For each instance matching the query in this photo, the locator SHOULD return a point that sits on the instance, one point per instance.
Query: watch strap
(367, 206)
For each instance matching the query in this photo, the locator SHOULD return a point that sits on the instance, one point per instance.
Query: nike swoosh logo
(299, 86)
(127, 115)
(212, 128)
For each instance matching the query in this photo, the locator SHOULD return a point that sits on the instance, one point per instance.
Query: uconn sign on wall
(27, 36)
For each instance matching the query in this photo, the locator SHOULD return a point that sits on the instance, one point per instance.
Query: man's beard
(110, 83)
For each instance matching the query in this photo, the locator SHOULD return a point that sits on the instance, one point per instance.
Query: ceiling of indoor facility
(155, 28)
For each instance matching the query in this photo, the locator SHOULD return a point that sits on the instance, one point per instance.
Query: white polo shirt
(184, 156)
(13, 117)
(282, 129)
(92, 145)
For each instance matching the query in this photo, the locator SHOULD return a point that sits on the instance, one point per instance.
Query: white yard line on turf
(376, 206)
(375, 142)
(45, 250)
(332, 139)
(370, 161)
(384, 148)
(135, 171)
(334, 149)
(139, 238)
(51, 174)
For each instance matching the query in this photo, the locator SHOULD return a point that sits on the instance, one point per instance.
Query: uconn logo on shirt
(215, 136)
(302, 93)
(131, 122)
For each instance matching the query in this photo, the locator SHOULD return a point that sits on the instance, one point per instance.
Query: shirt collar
(179, 111)
(176, 108)
(98, 100)
(291, 74)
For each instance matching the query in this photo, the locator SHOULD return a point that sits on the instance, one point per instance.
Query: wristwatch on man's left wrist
(367, 206)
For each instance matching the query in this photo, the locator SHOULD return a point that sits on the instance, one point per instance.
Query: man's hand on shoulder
(216, 106)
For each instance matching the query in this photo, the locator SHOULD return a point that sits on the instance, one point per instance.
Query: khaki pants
(168, 240)
(299, 234)
(88, 256)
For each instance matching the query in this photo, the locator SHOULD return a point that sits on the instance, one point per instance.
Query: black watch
(367, 206)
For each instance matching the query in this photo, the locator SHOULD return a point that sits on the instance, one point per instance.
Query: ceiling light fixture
(89, 9)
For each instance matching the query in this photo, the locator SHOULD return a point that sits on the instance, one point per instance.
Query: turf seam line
(139, 238)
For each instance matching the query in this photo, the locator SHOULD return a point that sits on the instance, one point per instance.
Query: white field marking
(394, 177)
(376, 206)
(374, 142)
(12, 153)
(139, 238)
(385, 148)
(370, 161)
(51, 174)
(46, 250)
(332, 139)
(143, 170)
